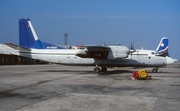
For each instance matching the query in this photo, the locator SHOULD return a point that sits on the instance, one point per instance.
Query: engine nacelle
(104, 52)
(118, 52)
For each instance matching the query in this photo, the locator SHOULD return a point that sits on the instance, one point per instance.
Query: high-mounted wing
(96, 52)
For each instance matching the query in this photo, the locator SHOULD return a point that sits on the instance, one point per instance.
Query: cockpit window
(152, 53)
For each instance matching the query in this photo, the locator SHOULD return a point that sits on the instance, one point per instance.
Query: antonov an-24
(100, 56)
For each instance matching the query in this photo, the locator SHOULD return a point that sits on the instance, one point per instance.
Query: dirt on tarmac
(70, 88)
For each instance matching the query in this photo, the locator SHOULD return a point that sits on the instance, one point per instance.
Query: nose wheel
(155, 70)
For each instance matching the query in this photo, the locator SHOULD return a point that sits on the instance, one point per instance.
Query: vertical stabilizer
(28, 37)
(163, 46)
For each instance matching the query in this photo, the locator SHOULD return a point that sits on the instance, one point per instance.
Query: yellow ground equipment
(140, 74)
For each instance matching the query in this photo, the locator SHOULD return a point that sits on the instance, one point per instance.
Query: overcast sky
(144, 22)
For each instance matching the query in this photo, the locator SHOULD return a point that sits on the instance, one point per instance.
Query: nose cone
(169, 60)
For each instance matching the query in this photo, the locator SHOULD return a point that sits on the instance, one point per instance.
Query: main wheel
(104, 69)
(97, 70)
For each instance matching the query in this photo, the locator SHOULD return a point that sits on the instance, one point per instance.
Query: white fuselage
(141, 58)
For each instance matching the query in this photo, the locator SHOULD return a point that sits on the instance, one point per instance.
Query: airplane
(100, 56)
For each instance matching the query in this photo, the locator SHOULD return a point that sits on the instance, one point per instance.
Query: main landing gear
(155, 70)
(97, 69)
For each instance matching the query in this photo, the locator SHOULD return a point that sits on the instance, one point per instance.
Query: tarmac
(77, 88)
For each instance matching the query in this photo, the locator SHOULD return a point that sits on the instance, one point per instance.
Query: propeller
(132, 50)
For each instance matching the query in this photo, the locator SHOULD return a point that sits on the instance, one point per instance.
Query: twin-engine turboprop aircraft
(91, 55)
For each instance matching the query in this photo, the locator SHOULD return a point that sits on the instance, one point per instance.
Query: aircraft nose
(170, 60)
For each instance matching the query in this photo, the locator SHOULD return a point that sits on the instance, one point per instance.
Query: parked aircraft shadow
(111, 72)
(68, 71)
(115, 72)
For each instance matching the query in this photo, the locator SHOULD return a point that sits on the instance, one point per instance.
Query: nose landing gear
(155, 70)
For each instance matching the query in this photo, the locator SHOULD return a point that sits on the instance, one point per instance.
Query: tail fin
(163, 46)
(28, 37)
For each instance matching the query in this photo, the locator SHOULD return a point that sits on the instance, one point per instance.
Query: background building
(17, 60)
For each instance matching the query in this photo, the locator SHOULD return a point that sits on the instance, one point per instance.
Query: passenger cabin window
(152, 53)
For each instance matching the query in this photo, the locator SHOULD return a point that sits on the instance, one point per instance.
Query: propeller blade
(132, 50)
(132, 46)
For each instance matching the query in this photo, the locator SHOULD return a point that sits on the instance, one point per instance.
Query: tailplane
(28, 37)
(163, 46)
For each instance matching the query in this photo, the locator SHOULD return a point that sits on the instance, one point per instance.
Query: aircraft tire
(97, 70)
(104, 69)
(155, 70)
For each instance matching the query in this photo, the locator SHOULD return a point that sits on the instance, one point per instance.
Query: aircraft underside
(101, 65)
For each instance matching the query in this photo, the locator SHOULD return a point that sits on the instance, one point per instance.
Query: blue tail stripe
(45, 45)
(164, 46)
(27, 39)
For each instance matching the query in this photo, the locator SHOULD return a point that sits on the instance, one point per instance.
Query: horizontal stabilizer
(4, 49)
(17, 47)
